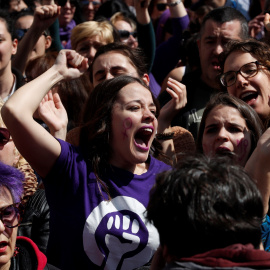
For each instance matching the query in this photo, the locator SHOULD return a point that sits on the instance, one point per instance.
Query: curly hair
(259, 50)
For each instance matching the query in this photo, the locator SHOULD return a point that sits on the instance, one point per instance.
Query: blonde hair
(91, 29)
(119, 16)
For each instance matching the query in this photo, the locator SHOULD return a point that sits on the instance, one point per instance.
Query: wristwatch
(173, 4)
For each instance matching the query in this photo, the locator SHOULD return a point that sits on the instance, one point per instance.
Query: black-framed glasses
(10, 215)
(62, 3)
(96, 4)
(248, 70)
(161, 6)
(4, 136)
(124, 34)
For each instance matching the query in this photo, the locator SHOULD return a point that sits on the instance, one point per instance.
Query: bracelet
(173, 4)
(164, 136)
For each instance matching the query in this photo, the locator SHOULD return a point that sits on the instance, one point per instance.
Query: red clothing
(233, 256)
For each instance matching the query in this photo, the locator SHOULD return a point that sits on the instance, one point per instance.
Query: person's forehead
(111, 59)
(230, 29)
(6, 197)
(225, 113)
(24, 22)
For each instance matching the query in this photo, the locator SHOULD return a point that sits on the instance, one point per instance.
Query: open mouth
(249, 97)
(3, 246)
(223, 151)
(142, 138)
(216, 65)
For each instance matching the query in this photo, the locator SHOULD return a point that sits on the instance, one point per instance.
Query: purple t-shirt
(89, 232)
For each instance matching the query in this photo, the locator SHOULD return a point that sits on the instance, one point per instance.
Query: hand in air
(256, 25)
(70, 64)
(266, 21)
(54, 115)
(45, 16)
(178, 93)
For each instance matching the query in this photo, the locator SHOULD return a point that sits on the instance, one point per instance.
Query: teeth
(246, 94)
(148, 129)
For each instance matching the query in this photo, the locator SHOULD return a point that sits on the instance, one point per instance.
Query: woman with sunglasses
(16, 253)
(35, 221)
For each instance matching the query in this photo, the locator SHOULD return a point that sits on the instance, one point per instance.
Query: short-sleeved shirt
(87, 230)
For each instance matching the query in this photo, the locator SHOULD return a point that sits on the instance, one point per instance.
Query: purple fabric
(65, 34)
(154, 86)
(160, 27)
(168, 53)
(86, 230)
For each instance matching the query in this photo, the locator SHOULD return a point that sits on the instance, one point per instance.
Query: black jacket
(35, 222)
(27, 256)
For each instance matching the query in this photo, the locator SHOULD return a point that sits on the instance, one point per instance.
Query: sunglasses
(4, 136)
(87, 2)
(124, 34)
(161, 6)
(62, 3)
(10, 215)
(21, 32)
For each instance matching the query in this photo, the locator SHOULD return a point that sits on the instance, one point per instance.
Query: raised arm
(44, 17)
(38, 147)
(178, 101)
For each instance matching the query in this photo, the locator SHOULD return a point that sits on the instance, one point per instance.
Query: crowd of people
(134, 134)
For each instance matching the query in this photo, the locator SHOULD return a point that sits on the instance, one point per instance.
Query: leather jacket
(35, 222)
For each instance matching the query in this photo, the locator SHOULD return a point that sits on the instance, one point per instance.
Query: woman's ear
(48, 42)
(17, 157)
(146, 78)
(14, 46)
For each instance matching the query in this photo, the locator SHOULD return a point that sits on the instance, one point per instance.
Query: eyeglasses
(10, 215)
(124, 34)
(248, 70)
(96, 4)
(21, 32)
(4, 136)
(62, 3)
(161, 6)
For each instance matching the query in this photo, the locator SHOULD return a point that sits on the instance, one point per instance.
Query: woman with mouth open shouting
(231, 127)
(97, 192)
(245, 67)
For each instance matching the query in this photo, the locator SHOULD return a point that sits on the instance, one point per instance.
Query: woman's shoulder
(157, 165)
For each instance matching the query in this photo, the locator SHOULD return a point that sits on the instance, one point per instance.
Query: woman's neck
(138, 169)
(6, 84)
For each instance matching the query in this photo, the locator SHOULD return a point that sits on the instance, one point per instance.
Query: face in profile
(226, 132)
(134, 126)
(8, 47)
(255, 90)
